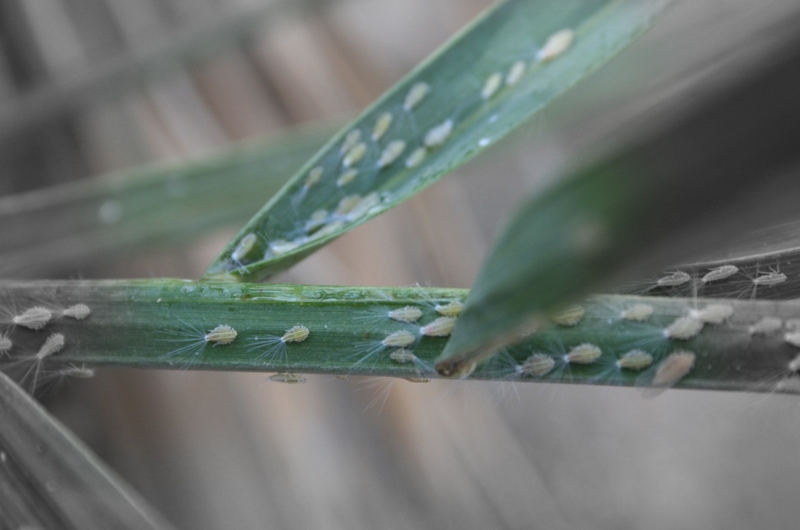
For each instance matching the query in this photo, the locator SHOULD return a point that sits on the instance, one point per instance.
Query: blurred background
(94, 86)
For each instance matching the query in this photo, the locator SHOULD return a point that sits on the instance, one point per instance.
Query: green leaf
(457, 113)
(49, 479)
(724, 159)
(59, 229)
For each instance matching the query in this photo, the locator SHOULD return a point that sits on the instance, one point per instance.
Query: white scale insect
(515, 73)
(769, 279)
(537, 365)
(583, 354)
(636, 360)
(291, 379)
(346, 178)
(675, 279)
(5, 344)
(558, 43)
(376, 316)
(492, 85)
(637, 313)
(52, 345)
(196, 339)
(243, 249)
(684, 328)
(274, 348)
(416, 157)
(672, 369)
(441, 327)
(415, 96)
(712, 313)
(766, 326)
(382, 124)
(391, 153)
(400, 339)
(350, 140)
(719, 273)
(570, 316)
(34, 318)
(450, 309)
(438, 134)
(405, 356)
(354, 155)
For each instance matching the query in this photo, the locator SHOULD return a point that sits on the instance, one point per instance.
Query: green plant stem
(144, 324)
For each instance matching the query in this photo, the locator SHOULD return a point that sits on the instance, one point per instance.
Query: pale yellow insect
(328, 229)
(415, 96)
(637, 313)
(346, 177)
(450, 309)
(34, 318)
(674, 280)
(77, 311)
(291, 379)
(274, 348)
(382, 124)
(675, 367)
(437, 135)
(719, 273)
(537, 365)
(244, 248)
(354, 155)
(515, 73)
(492, 85)
(352, 138)
(570, 316)
(281, 246)
(313, 177)
(297, 333)
(583, 354)
(416, 157)
(765, 326)
(196, 339)
(403, 356)
(347, 204)
(684, 328)
(317, 219)
(222, 334)
(713, 313)
(81, 372)
(406, 314)
(441, 327)
(53, 344)
(391, 153)
(399, 339)
(558, 43)
(5, 344)
(794, 364)
(365, 206)
(635, 360)
(793, 338)
(770, 279)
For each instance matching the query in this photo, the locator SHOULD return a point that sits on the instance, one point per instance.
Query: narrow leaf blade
(49, 479)
(481, 85)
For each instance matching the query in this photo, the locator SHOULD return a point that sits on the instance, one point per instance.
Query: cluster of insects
(37, 318)
(391, 140)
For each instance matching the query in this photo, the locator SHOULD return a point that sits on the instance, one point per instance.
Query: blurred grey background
(92, 86)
